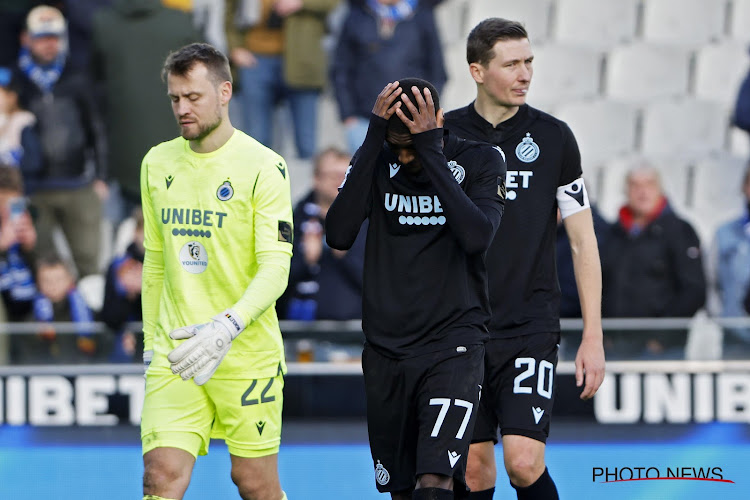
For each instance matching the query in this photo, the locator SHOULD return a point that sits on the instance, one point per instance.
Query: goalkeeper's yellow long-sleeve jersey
(218, 234)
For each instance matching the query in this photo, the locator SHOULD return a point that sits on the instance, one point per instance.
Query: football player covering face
(504, 79)
(420, 117)
(201, 107)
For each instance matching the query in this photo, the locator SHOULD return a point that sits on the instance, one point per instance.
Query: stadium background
(653, 78)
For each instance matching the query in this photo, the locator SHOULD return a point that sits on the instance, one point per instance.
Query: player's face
(643, 192)
(403, 146)
(507, 77)
(195, 102)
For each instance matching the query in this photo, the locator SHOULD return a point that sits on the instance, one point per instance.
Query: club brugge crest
(527, 150)
(381, 474)
(225, 191)
(457, 170)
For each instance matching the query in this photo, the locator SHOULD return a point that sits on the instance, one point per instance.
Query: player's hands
(206, 345)
(424, 115)
(384, 104)
(590, 366)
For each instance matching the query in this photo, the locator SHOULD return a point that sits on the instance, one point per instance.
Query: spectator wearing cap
(19, 143)
(67, 191)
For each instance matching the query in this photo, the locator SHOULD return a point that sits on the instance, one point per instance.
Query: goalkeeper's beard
(204, 130)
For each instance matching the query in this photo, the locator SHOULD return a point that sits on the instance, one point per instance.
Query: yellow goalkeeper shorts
(246, 414)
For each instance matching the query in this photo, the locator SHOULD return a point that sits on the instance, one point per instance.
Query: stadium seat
(91, 288)
(611, 187)
(565, 73)
(603, 129)
(534, 14)
(720, 69)
(683, 22)
(739, 23)
(640, 72)
(595, 23)
(451, 17)
(123, 236)
(460, 89)
(717, 195)
(684, 129)
(739, 143)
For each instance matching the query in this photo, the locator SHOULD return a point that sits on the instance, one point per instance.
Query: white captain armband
(572, 198)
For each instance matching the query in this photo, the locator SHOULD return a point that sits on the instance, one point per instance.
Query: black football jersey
(541, 154)
(422, 290)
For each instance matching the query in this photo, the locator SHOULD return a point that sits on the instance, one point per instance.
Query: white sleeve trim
(572, 198)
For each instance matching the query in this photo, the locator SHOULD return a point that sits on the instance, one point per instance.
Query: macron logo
(538, 412)
(394, 168)
(453, 458)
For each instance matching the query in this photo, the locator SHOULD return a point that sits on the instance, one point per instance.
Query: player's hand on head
(205, 346)
(424, 116)
(387, 103)
(589, 365)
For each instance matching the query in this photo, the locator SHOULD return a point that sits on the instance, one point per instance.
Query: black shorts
(518, 391)
(420, 414)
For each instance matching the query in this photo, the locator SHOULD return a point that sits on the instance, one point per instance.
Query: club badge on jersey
(527, 150)
(457, 170)
(225, 191)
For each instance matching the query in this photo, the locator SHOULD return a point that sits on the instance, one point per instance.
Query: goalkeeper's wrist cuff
(231, 321)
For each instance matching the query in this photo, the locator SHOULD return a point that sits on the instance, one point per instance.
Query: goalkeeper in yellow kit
(218, 239)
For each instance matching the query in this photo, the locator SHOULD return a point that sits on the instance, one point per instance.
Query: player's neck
(492, 112)
(216, 139)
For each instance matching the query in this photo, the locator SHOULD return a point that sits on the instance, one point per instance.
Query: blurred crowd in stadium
(82, 101)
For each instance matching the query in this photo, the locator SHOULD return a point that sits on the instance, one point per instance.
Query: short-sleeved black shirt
(541, 154)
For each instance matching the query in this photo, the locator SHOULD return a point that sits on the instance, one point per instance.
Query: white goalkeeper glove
(206, 345)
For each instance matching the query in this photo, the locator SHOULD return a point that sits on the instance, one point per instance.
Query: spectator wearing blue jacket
(732, 256)
(380, 42)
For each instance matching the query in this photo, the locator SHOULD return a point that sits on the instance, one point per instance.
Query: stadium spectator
(207, 281)
(652, 268)
(58, 301)
(69, 188)
(324, 283)
(276, 45)
(433, 202)
(544, 174)
(380, 41)
(80, 15)
(17, 247)
(19, 142)
(732, 260)
(130, 41)
(122, 295)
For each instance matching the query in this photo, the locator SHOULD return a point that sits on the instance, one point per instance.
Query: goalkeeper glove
(206, 345)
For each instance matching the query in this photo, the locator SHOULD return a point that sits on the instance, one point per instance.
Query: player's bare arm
(589, 360)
